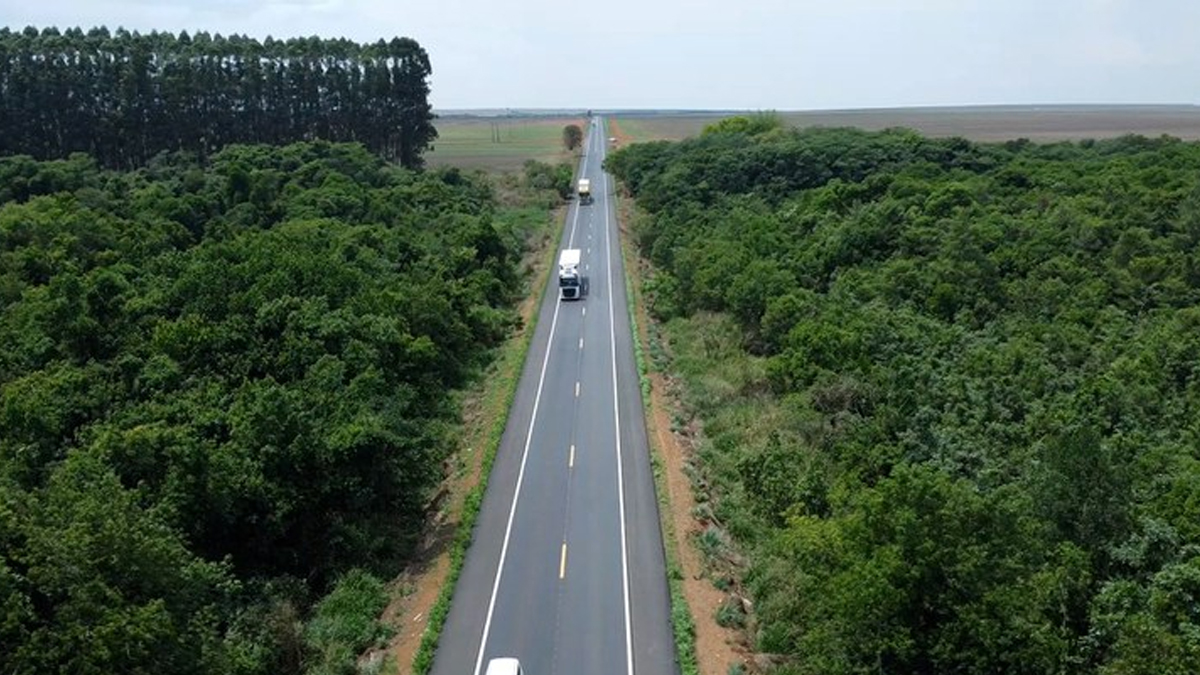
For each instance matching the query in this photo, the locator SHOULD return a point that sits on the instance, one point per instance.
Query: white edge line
(612, 332)
(512, 511)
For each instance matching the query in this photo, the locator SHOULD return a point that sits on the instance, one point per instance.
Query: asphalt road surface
(566, 570)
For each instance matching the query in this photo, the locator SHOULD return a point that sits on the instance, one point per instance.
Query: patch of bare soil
(717, 647)
(416, 589)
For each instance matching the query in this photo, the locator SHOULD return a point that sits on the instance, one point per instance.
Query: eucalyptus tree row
(123, 97)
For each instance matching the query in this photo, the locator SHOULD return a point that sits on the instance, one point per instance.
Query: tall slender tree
(125, 96)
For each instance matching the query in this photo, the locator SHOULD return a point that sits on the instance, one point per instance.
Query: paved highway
(566, 568)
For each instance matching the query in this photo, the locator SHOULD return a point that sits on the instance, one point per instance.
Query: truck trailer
(570, 286)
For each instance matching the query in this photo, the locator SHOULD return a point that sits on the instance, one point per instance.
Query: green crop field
(499, 143)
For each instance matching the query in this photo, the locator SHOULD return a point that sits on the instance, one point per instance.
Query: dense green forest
(124, 97)
(226, 392)
(950, 391)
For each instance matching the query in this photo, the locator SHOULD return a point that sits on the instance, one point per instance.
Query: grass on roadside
(725, 387)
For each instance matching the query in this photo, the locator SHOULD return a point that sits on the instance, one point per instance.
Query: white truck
(585, 191)
(570, 284)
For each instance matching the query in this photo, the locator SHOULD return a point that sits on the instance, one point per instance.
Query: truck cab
(570, 283)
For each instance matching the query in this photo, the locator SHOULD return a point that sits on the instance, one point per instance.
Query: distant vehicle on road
(585, 191)
(570, 284)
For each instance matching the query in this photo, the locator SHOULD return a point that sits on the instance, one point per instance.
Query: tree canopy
(572, 136)
(949, 390)
(225, 387)
(751, 125)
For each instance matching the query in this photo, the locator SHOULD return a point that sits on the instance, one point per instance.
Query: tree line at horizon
(226, 396)
(123, 97)
(949, 391)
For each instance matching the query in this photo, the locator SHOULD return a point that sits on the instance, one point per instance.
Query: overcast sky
(727, 54)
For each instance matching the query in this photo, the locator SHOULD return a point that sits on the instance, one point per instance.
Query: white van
(504, 666)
